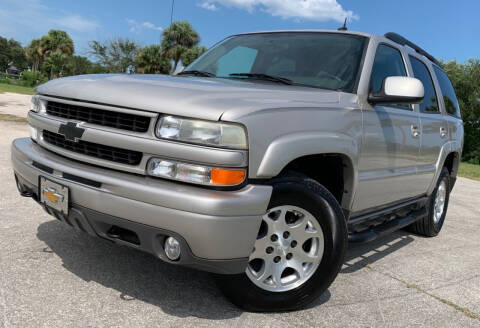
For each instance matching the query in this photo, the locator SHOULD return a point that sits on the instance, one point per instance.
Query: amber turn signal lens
(225, 177)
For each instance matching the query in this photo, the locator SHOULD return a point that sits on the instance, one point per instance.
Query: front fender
(289, 147)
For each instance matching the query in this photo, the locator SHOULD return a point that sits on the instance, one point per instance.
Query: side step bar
(387, 228)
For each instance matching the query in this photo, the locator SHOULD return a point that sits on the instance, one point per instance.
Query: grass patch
(4, 87)
(12, 118)
(471, 171)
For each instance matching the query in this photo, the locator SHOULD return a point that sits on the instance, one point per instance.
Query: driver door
(390, 143)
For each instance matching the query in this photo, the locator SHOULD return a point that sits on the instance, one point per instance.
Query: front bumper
(217, 228)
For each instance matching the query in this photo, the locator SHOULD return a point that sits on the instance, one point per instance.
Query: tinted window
(420, 71)
(323, 60)
(240, 59)
(449, 97)
(388, 62)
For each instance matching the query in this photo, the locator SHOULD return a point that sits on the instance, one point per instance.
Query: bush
(32, 79)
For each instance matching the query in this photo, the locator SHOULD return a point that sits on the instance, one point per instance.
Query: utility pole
(171, 15)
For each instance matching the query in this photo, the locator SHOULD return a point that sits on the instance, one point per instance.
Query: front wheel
(299, 249)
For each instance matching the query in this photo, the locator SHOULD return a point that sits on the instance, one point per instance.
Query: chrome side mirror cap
(399, 90)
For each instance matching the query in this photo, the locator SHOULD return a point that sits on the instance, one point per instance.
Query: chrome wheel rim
(288, 249)
(439, 202)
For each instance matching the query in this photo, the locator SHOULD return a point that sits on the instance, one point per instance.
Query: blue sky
(448, 29)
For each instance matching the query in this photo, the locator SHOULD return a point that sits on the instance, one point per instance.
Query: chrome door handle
(443, 132)
(415, 131)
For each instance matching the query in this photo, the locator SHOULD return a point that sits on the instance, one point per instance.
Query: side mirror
(398, 90)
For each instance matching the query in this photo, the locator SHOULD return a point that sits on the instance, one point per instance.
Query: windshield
(323, 60)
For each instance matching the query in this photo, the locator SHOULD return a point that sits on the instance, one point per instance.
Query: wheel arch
(452, 162)
(311, 152)
(449, 157)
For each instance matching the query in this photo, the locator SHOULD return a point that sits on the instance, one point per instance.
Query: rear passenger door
(390, 146)
(451, 106)
(434, 132)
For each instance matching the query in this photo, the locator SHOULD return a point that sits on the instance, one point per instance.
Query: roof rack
(397, 38)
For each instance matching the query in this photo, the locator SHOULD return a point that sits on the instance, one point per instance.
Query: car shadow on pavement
(136, 275)
(360, 255)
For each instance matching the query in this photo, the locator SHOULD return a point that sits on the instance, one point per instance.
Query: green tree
(151, 61)
(17, 53)
(177, 39)
(97, 68)
(79, 65)
(466, 81)
(56, 41)
(115, 54)
(34, 54)
(12, 53)
(191, 54)
(56, 65)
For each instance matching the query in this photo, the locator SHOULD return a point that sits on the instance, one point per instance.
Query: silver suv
(261, 161)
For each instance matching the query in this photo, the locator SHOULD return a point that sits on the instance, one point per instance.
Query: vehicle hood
(204, 98)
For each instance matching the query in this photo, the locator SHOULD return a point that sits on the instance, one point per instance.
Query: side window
(449, 97)
(238, 60)
(388, 62)
(420, 71)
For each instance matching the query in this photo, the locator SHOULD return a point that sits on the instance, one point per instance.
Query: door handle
(443, 132)
(415, 131)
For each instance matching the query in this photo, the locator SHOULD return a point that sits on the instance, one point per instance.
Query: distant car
(260, 161)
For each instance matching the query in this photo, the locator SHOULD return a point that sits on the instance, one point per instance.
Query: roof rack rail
(397, 38)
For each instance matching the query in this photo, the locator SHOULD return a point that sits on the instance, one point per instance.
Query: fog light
(172, 248)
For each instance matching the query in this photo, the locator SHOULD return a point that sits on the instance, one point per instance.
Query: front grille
(91, 149)
(102, 117)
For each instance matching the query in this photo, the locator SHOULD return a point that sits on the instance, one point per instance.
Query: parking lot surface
(53, 276)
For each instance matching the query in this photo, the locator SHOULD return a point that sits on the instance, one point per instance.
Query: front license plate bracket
(54, 195)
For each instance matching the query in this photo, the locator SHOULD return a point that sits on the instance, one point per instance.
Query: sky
(447, 29)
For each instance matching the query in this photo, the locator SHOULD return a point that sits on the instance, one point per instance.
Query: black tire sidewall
(314, 198)
(444, 176)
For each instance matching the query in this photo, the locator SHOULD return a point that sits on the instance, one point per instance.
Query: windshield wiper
(262, 76)
(197, 73)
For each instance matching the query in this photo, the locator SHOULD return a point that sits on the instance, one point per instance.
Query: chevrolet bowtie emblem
(52, 195)
(71, 131)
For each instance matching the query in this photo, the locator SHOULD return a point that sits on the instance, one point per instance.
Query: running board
(387, 228)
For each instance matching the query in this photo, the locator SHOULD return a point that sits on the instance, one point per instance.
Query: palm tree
(191, 54)
(33, 53)
(176, 39)
(151, 61)
(56, 41)
(56, 65)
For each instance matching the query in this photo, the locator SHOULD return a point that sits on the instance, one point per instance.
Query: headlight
(36, 105)
(202, 132)
(193, 173)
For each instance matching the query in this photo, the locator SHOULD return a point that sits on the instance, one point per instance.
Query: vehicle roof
(368, 35)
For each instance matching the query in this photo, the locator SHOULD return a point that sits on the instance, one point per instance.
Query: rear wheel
(437, 206)
(299, 249)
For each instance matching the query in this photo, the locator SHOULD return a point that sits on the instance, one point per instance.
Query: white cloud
(208, 5)
(78, 23)
(317, 10)
(136, 27)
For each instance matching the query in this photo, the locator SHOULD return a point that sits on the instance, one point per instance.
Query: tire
(294, 191)
(431, 224)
